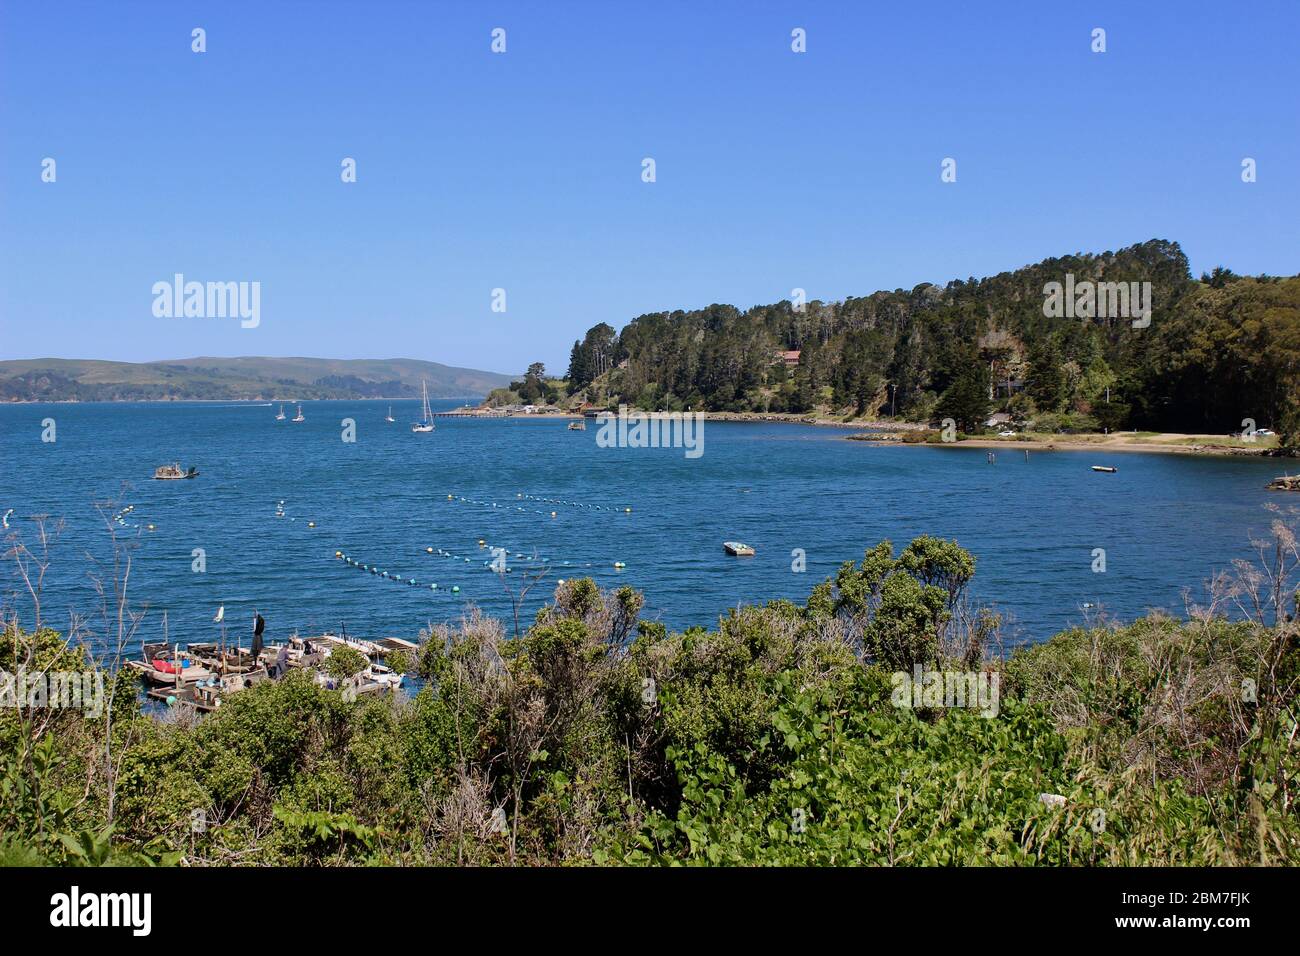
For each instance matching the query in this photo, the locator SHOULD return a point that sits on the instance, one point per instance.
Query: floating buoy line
(280, 513)
(119, 519)
(389, 575)
(572, 504)
(484, 556)
(531, 562)
(538, 499)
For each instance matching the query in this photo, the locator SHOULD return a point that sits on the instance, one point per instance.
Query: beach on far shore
(1164, 443)
(891, 433)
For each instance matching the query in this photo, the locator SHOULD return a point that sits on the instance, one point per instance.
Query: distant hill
(249, 378)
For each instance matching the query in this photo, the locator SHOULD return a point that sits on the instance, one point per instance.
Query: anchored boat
(162, 665)
(738, 548)
(207, 695)
(174, 472)
(425, 424)
(1109, 469)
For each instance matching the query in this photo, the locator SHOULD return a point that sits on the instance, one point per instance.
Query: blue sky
(522, 170)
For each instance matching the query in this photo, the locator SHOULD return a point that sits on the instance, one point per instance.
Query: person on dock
(281, 663)
(259, 625)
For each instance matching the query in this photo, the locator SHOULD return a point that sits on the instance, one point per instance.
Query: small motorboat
(207, 695)
(174, 472)
(738, 548)
(161, 665)
(1108, 469)
(577, 426)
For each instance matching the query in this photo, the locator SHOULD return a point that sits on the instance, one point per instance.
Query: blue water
(1166, 522)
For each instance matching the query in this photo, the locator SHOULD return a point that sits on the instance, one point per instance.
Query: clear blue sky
(523, 171)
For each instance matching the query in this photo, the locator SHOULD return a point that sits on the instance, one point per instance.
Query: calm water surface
(1166, 522)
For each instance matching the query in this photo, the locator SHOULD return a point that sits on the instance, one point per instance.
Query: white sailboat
(298, 417)
(389, 417)
(425, 424)
(280, 417)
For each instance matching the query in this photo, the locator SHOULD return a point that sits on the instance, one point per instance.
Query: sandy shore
(1163, 444)
(890, 433)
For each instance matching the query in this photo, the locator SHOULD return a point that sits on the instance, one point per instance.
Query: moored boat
(208, 694)
(1109, 469)
(738, 548)
(173, 472)
(425, 424)
(164, 665)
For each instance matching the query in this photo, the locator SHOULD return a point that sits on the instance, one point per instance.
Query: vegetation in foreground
(594, 736)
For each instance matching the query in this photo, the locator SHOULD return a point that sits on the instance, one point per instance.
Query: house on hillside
(789, 359)
(998, 420)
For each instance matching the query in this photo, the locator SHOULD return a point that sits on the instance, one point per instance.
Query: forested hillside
(1216, 351)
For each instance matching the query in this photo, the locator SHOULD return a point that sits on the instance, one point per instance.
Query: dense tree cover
(774, 738)
(593, 356)
(533, 389)
(1216, 351)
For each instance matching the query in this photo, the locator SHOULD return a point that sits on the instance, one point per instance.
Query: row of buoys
(387, 575)
(279, 513)
(533, 560)
(120, 519)
(443, 552)
(501, 507)
(572, 504)
(522, 497)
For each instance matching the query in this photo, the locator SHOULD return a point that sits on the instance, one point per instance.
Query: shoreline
(879, 432)
(1103, 447)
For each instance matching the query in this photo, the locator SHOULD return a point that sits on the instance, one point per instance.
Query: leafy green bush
(774, 738)
(344, 662)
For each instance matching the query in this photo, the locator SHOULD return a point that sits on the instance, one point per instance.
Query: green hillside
(1212, 353)
(239, 378)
